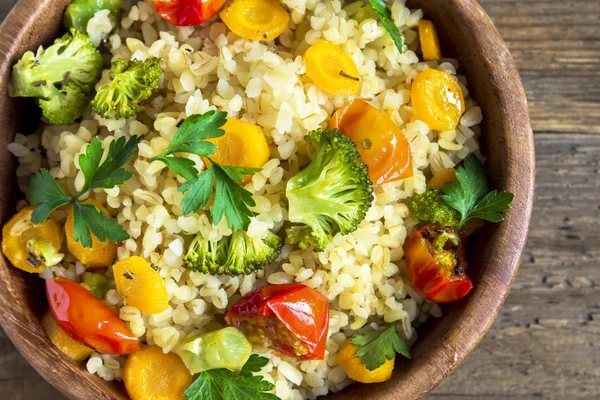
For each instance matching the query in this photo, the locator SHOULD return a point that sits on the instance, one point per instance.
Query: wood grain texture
(544, 343)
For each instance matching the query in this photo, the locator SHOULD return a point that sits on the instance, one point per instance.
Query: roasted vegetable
(442, 177)
(98, 284)
(31, 247)
(101, 254)
(437, 99)
(187, 12)
(331, 69)
(430, 44)
(151, 374)
(352, 366)
(292, 319)
(65, 343)
(129, 85)
(224, 348)
(381, 144)
(140, 285)
(331, 195)
(87, 319)
(232, 255)
(436, 263)
(243, 145)
(60, 77)
(79, 12)
(430, 208)
(255, 19)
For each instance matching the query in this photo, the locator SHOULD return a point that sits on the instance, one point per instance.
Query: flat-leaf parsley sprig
(385, 17)
(47, 194)
(473, 197)
(375, 347)
(230, 198)
(222, 384)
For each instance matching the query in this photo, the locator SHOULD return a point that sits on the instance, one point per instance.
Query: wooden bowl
(467, 33)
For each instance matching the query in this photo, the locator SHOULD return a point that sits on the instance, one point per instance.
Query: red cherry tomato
(436, 265)
(292, 319)
(187, 12)
(87, 319)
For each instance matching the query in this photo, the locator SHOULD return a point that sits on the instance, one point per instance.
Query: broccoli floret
(128, 86)
(331, 195)
(79, 12)
(232, 255)
(429, 207)
(59, 77)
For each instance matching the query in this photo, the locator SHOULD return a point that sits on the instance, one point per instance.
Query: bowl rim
(22, 19)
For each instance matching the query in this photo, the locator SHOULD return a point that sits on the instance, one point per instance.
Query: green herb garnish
(46, 193)
(385, 16)
(222, 384)
(230, 198)
(374, 348)
(473, 196)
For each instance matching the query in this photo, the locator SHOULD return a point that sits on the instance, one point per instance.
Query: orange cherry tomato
(381, 144)
(87, 319)
(291, 318)
(436, 265)
(187, 12)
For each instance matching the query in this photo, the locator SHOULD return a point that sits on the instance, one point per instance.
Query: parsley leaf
(88, 217)
(222, 384)
(472, 195)
(374, 348)
(194, 130)
(182, 166)
(385, 16)
(198, 191)
(47, 194)
(111, 172)
(230, 198)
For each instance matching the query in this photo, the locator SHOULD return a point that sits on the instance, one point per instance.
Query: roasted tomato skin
(302, 311)
(187, 12)
(380, 143)
(87, 319)
(438, 281)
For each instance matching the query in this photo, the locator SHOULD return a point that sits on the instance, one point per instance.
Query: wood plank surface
(545, 342)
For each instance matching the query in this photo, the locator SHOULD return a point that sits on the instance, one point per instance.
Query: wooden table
(545, 343)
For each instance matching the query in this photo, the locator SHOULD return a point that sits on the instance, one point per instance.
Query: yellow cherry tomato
(255, 19)
(352, 366)
(430, 43)
(331, 69)
(151, 374)
(437, 99)
(101, 254)
(140, 285)
(441, 177)
(381, 144)
(32, 247)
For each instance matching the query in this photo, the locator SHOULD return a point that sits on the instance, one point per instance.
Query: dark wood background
(545, 343)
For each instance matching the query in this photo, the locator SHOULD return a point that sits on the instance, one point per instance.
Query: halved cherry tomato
(292, 319)
(436, 264)
(187, 12)
(87, 319)
(380, 142)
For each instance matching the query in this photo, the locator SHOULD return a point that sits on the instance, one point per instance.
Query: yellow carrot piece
(151, 374)
(430, 43)
(255, 19)
(331, 69)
